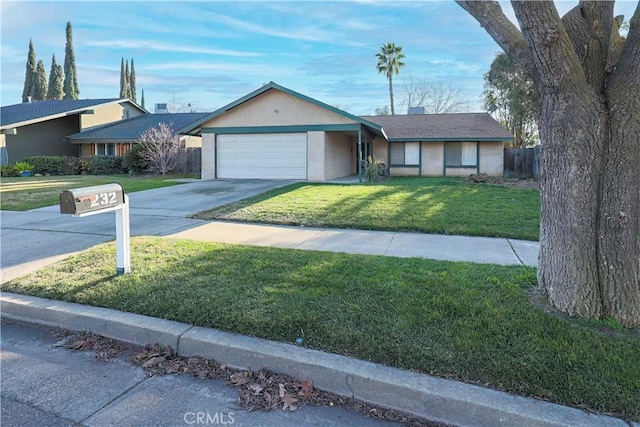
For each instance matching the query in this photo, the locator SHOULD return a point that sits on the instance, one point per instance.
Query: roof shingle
(131, 129)
(441, 127)
(27, 111)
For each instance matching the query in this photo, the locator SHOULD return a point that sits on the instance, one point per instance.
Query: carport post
(360, 155)
(123, 237)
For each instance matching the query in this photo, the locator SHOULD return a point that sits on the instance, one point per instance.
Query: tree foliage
(511, 91)
(127, 80)
(142, 99)
(162, 149)
(124, 84)
(55, 90)
(39, 89)
(437, 97)
(30, 73)
(132, 83)
(588, 87)
(70, 86)
(389, 63)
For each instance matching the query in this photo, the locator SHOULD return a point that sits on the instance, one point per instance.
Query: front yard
(470, 322)
(426, 205)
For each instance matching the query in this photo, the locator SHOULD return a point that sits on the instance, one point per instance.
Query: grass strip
(425, 205)
(22, 194)
(470, 322)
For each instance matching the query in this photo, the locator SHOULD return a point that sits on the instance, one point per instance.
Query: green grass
(426, 205)
(21, 194)
(470, 322)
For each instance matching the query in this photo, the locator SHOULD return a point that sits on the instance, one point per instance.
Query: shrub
(133, 161)
(47, 165)
(9, 171)
(105, 165)
(374, 169)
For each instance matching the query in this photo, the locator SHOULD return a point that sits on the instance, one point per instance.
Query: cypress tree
(122, 80)
(127, 86)
(142, 99)
(39, 89)
(71, 89)
(30, 73)
(132, 83)
(55, 81)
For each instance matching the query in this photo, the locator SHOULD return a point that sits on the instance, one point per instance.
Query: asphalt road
(47, 385)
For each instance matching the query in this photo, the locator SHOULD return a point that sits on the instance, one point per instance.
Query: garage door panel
(266, 156)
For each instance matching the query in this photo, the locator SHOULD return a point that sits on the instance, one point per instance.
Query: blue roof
(42, 110)
(130, 129)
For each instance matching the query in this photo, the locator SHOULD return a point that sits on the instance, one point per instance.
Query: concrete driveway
(34, 239)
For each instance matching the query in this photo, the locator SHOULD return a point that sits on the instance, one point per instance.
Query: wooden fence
(522, 163)
(193, 164)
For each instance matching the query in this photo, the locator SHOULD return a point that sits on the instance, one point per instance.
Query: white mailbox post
(87, 201)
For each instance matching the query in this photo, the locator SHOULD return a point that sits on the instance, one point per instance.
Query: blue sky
(211, 53)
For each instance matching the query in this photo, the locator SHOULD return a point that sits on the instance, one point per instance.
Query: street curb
(128, 327)
(435, 399)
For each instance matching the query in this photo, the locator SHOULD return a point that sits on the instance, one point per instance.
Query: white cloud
(166, 47)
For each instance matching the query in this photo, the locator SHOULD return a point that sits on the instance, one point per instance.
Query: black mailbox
(91, 199)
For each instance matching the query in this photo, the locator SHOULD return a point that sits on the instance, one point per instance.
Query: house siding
(337, 155)
(492, 158)
(208, 156)
(43, 139)
(316, 155)
(275, 108)
(432, 158)
(404, 171)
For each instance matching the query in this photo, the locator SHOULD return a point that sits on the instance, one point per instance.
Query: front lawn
(470, 322)
(22, 194)
(426, 205)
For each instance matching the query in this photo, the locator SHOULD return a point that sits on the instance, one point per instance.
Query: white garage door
(262, 156)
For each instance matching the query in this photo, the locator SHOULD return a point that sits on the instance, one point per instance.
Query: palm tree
(389, 62)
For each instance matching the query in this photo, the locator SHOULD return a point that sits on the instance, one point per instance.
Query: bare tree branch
(162, 149)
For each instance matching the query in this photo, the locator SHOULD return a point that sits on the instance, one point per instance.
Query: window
(461, 153)
(404, 153)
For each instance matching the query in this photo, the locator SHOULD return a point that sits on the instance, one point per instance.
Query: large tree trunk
(588, 84)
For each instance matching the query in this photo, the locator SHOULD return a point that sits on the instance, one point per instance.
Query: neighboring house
(276, 133)
(39, 128)
(116, 138)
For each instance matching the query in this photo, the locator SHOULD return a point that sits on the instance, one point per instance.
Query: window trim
(448, 165)
(405, 164)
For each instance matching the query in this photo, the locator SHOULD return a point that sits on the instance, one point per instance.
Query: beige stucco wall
(461, 171)
(275, 108)
(337, 155)
(404, 171)
(208, 156)
(101, 114)
(109, 113)
(316, 156)
(492, 158)
(432, 158)
(192, 141)
(381, 149)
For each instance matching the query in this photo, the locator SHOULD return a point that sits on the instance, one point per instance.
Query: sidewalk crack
(514, 251)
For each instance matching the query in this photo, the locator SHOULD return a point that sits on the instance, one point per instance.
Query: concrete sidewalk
(447, 248)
